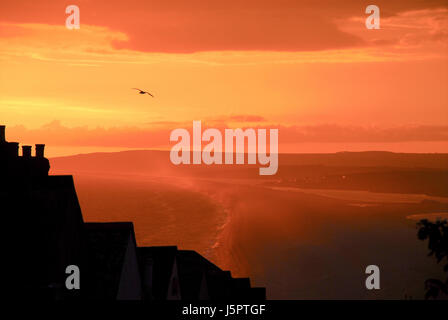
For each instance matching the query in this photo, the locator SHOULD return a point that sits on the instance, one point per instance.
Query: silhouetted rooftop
(107, 244)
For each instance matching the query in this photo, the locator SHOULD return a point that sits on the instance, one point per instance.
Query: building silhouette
(50, 235)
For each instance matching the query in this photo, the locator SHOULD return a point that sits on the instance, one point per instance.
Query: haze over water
(300, 242)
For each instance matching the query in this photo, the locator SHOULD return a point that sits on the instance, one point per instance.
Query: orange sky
(309, 68)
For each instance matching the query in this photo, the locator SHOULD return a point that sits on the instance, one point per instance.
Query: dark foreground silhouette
(437, 235)
(51, 239)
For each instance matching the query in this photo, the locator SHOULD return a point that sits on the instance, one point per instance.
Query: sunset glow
(324, 81)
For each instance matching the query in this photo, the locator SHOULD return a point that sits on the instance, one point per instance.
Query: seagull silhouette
(143, 92)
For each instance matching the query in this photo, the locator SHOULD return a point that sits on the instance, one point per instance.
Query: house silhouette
(50, 235)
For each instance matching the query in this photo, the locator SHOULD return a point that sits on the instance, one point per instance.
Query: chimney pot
(26, 151)
(2, 134)
(40, 148)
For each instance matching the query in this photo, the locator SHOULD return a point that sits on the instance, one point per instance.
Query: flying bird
(143, 92)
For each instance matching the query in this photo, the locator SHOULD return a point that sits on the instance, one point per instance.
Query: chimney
(2, 134)
(26, 151)
(40, 150)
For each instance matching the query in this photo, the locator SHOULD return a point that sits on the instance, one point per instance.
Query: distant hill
(138, 161)
(369, 159)
(149, 161)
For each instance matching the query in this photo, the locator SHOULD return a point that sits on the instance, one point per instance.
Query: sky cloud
(292, 64)
(157, 136)
(177, 26)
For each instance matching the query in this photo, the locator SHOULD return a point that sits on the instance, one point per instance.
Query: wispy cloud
(93, 46)
(152, 136)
